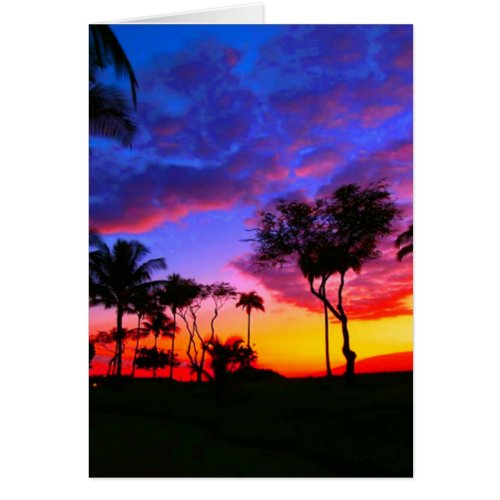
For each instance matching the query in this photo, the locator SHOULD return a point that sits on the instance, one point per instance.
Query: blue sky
(232, 117)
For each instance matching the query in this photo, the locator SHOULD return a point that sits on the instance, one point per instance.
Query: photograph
(250, 251)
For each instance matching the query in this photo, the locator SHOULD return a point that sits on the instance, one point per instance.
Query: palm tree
(248, 302)
(404, 242)
(228, 356)
(109, 111)
(159, 324)
(117, 276)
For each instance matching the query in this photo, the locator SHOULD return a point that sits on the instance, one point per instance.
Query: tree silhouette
(159, 324)
(228, 356)
(91, 353)
(248, 302)
(174, 295)
(109, 111)
(330, 237)
(404, 242)
(143, 303)
(193, 294)
(154, 359)
(117, 275)
(109, 338)
(312, 270)
(290, 233)
(220, 293)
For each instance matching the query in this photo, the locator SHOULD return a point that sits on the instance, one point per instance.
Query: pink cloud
(319, 163)
(375, 115)
(381, 290)
(394, 163)
(146, 199)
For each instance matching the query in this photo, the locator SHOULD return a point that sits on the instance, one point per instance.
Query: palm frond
(405, 237)
(105, 50)
(404, 251)
(110, 114)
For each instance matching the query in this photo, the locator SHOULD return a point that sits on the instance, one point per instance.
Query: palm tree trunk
(173, 346)
(327, 343)
(119, 341)
(248, 332)
(132, 374)
(154, 366)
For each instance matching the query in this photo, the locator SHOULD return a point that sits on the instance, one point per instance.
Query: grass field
(267, 428)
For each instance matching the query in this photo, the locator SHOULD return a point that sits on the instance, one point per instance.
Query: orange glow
(288, 339)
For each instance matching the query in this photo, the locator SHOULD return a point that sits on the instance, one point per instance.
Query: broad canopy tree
(329, 237)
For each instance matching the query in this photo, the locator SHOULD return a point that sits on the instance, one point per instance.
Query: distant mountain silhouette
(395, 362)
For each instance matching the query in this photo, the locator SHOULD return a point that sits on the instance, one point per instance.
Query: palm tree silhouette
(159, 324)
(404, 242)
(117, 275)
(228, 356)
(109, 111)
(248, 302)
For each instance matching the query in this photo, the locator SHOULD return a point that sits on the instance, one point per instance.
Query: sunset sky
(231, 118)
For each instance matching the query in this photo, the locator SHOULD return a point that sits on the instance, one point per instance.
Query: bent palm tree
(248, 302)
(404, 242)
(117, 276)
(109, 112)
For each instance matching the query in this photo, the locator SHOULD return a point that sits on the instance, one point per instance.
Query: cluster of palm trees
(121, 278)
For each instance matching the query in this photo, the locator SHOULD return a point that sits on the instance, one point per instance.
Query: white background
(44, 190)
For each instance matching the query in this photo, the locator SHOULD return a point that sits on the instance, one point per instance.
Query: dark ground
(267, 428)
